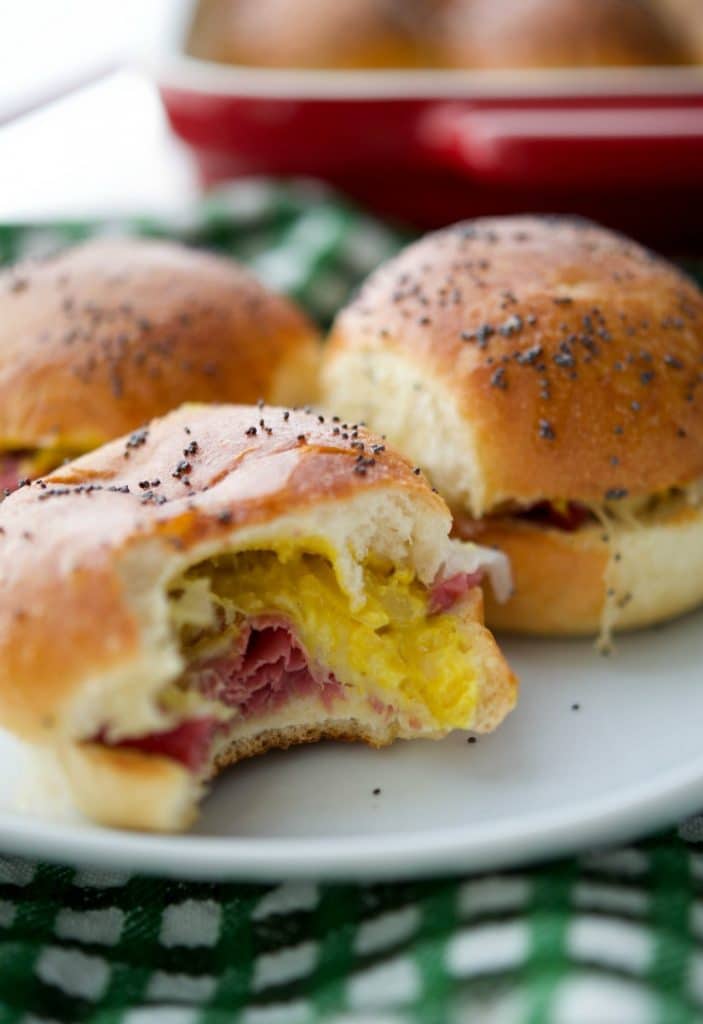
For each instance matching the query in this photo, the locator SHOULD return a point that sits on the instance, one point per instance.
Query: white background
(105, 149)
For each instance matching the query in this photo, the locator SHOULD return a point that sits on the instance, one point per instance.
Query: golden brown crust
(293, 736)
(573, 354)
(559, 578)
(559, 33)
(190, 479)
(129, 789)
(314, 33)
(499, 687)
(113, 332)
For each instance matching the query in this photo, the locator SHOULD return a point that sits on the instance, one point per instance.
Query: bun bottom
(143, 792)
(131, 790)
(598, 578)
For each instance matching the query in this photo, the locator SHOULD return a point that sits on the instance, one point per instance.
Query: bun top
(86, 552)
(560, 33)
(572, 357)
(314, 33)
(106, 335)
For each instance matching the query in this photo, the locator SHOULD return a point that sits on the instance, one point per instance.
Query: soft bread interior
(350, 581)
(415, 411)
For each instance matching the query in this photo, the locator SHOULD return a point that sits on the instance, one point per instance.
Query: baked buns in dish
(559, 33)
(547, 375)
(687, 17)
(228, 580)
(106, 335)
(315, 33)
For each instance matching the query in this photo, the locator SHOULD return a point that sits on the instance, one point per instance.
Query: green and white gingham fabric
(613, 938)
(608, 938)
(299, 237)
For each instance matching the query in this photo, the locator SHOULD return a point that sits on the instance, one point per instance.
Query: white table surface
(105, 150)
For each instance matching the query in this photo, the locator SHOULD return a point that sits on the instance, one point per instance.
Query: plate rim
(516, 841)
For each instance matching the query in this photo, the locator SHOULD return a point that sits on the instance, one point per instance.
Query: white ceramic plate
(554, 778)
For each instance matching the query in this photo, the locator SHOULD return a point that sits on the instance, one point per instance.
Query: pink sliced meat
(569, 518)
(262, 675)
(263, 671)
(445, 593)
(267, 668)
(187, 743)
(10, 472)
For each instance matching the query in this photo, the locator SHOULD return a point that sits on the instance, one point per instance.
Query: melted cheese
(44, 460)
(389, 648)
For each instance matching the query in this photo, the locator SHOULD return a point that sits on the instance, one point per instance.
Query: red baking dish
(624, 146)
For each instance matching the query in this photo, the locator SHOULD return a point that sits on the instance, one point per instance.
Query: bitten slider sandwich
(228, 580)
(104, 336)
(547, 375)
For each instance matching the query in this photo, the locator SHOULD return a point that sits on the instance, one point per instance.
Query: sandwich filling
(271, 640)
(570, 516)
(13, 468)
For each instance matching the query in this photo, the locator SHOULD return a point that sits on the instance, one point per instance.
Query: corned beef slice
(188, 743)
(269, 670)
(272, 668)
(9, 473)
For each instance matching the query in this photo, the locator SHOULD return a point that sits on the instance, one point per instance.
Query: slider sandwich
(229, 580)
(104, 336)
(547, 374)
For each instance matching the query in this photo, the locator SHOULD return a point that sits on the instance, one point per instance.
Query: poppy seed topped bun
(523, 361)
(226, 580)
(108, 334)
(559, 34)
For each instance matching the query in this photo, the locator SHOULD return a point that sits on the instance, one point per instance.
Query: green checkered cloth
(299, 237)
(613, 938)
(608, 938)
